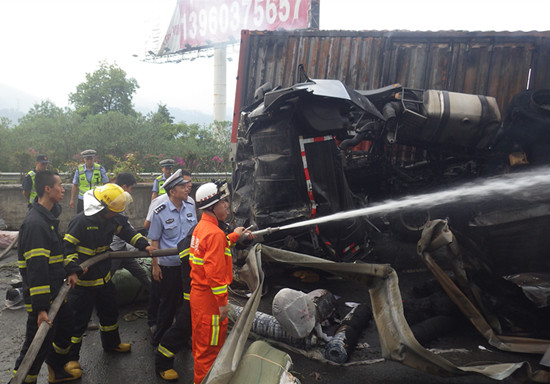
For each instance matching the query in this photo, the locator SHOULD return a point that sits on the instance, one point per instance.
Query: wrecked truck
(319, 147)
(314, 148)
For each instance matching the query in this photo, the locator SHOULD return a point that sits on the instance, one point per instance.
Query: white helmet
(209, 194)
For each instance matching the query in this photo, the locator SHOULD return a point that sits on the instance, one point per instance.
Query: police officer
(90, 233)
(170, 223)
(86, 177)
(166, 166)
(152, 310)
(29, 191)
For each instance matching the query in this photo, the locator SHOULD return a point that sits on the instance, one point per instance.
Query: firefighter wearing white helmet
(209, 194)
(211, 274)
(90, 233)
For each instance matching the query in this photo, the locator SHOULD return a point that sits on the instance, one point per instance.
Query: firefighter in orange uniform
(211, 273)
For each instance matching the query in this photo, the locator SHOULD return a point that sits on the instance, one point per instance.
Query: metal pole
(219, 83)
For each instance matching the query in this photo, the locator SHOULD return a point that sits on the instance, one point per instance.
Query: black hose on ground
(344, 340)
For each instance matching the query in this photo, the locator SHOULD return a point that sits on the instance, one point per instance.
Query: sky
(48, 46)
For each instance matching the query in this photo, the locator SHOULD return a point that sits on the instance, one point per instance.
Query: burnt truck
(319, 147)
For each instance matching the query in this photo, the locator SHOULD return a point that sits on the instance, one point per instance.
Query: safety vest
(32, 174)
(83, 184)
(161, 181)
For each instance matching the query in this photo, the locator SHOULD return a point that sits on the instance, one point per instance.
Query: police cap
(175, 179)
(88, 153)
(42, 159)
(167, 163)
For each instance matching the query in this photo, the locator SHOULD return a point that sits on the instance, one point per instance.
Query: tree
(5, 143)
(161, 116)
(48, 129)
(44, 109)
(105, 90)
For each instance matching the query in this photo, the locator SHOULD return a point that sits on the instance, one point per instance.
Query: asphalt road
(461, 346)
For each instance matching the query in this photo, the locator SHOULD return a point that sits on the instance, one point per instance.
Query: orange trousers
(208, 333)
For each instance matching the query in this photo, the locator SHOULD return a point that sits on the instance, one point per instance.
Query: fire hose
(9, 247)
(60, 298)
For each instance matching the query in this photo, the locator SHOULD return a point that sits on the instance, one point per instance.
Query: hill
(15, 103)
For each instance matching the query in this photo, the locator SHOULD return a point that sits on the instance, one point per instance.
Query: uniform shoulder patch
(159, 208)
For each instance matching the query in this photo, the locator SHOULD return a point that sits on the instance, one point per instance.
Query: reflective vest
(83, 184)
(161, 181)
(32, 174)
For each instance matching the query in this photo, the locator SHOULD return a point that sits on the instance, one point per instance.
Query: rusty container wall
(488, 63)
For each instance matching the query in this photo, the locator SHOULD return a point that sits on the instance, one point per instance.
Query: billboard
(203, 23)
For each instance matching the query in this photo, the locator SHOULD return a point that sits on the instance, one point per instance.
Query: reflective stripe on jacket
(210, 259)
(40, 257)
(88, 236)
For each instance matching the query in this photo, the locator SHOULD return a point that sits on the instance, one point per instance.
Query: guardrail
(16, 177)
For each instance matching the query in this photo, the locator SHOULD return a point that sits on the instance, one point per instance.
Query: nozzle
(266, 231)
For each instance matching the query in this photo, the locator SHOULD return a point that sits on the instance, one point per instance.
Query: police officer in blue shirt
(158, 184)
(87, 176)
(170, 223)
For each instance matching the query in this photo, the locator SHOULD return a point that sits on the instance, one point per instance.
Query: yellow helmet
(113, 197)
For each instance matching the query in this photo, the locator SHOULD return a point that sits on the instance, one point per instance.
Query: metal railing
(16, 177)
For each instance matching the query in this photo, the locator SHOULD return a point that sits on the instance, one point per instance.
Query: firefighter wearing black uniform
(42, 269)
(91, 233)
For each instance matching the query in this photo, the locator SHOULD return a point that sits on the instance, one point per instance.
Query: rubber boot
(122, 348)
(60, 375)
(73, 365)
(169, 375)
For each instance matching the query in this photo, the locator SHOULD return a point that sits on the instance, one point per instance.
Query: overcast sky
(49, 45)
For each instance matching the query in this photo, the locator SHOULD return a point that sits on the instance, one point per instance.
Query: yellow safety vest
(33, 194)
(83, 184)
(161, 181)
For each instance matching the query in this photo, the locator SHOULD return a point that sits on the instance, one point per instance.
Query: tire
(408, 225)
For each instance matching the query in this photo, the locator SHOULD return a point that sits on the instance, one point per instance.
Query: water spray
(526, 185)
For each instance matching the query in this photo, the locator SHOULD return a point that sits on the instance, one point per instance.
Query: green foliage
(5, 142)
(105, 121)
(105, 90)
(161, 116)
(128, 163)
(24, 160)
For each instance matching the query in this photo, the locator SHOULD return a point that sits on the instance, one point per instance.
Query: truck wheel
(408, 225)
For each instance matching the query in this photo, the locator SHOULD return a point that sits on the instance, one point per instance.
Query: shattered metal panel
(490, 63)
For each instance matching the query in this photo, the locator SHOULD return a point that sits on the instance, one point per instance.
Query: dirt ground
(461, 345)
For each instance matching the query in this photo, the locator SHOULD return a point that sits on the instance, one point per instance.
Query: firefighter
(42, 269)
(90, 233)
(211, 273)
(178, 335)
(166, 166)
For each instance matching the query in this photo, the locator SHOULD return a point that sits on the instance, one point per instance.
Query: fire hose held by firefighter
(102, 206)
(56, 304)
